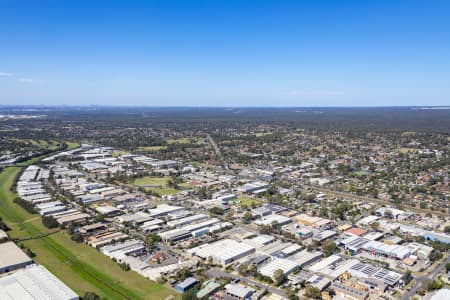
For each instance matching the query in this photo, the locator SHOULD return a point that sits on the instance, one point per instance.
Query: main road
(430, 276)
(214, 145)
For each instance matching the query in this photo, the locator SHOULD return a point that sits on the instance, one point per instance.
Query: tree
(125, 266)
(278, 277)
(262, 277)
(435, 285)
(447, 229)
(253, 269)
(243, 268)
(447, 267)
(49, 222)
(229, 215)
(435, 255)
(216, 211)
(204, 193)
(3, 226)
(375, 225)
(170, 183)
(189, 295)
(150, 241)
(91, 296)
(183, 274)
(323, 212)
(100, 217)
(77, 237)
(154, 237)
(328, 247)
(28, 206)
(407, 277)
(290, 294)
(265, 229)
(247, 217)
(30, 253)
(312, 292)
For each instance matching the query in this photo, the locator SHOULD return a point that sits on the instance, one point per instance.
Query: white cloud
(5, 74)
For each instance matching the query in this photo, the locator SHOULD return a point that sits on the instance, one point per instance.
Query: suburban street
(430, 276)
(373, 200)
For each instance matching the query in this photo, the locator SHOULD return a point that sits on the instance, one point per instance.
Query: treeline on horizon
(209, 118)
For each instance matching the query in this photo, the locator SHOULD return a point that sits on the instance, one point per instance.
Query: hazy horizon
(220, 106)
(25, 106)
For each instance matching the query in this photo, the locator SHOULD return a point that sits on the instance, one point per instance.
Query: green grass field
(149, 180)
(247, 201)
(120, 153)
(72, 145)
(157, 181)
(407, 150)
(185, 140)
(152, 148)
(40, 143)
(161, 181)
(203, 165)
(81, 267)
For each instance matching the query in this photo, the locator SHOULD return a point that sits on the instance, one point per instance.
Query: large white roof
(268, 220)
(325, 263)
(441, 294)
(224, 249)
(33, 283)
(11, 255)
(282, 264)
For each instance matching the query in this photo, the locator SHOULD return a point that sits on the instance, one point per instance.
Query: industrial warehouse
(156, 237)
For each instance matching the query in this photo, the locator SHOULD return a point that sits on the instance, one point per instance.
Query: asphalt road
(430, 276)
(215, 273)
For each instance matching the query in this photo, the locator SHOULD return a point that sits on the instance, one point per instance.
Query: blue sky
(225, 52)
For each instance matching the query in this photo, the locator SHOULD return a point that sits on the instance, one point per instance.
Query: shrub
(312, 292)
(25, 205)
(77, 237)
